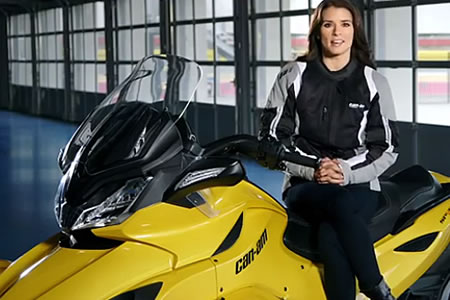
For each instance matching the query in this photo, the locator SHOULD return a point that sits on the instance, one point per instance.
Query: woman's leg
(310, 200)
(351, 211)
(338, 273)
(348, 210)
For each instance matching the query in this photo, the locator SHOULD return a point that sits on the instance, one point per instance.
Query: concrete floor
(28, 179)
(29, 176)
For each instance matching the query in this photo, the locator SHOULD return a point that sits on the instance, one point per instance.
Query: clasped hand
(328, 172)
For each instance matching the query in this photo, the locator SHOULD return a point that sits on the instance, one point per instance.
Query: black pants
(341, 215)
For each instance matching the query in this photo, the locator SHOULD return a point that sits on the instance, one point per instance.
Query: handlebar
(265, 152)
(299, 159)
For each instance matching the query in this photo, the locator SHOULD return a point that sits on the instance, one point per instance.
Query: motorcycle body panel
(12, 273)
(89, 274)
(261, 261)
(402, 268)
(179, 252)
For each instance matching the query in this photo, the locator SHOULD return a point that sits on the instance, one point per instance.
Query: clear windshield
(130, 149)
(165, 82)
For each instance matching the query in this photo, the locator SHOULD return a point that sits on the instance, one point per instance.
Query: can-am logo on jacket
(249, 257)
(356, 105)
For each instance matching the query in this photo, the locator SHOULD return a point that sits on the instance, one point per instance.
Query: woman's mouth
(337, 43)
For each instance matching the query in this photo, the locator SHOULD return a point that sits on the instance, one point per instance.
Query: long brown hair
(360, 47)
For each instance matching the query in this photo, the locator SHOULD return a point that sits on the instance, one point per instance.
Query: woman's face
(336, 32)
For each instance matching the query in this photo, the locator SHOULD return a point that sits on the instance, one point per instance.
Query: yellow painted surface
(441, 178)
(175, 245)
(402, 269)
(12, 273)
(188, 232)
(90, 274)
(275, 269)
(3, 265)
(195, 281)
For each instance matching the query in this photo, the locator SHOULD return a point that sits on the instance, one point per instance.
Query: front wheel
(444, 293)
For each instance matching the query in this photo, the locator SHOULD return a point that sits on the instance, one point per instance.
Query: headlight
(60, 200)
(108, 211)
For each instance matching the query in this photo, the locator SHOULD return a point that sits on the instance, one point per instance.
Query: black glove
(269, 153)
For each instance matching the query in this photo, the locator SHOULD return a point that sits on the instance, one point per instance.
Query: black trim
(388, 4)
(232, 236)
(232, 174)
(202, 21)
(85, 239)
(149, 292)
(242, 61)
(4, 72)
(418, 244)
(34, 102)
(164, 29)
(109, 45)
(408, 218)
(189, 200)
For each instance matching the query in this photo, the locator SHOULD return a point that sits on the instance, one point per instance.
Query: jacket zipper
(324, 112)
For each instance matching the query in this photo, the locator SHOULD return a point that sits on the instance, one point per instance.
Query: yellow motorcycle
(146, 212)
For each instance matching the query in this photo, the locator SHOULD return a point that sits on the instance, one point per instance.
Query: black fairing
(135, 141)
(149, 292)
(86, 240)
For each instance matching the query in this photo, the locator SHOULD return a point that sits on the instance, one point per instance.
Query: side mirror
(204, 174)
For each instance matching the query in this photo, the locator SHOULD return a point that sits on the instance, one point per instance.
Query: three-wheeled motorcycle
(146, 212)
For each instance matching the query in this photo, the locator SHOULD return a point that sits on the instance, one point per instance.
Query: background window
(400, 81)
(203, 9)
(185, 41)
(295, 36)
(204, 49)
(226, 91)
(433, 38)
(265, 77)
(268, 39)
(261, 6)
(294, 4)
(183, 10)
(393, 33)
(224, 41)
(205, 91)
(223, 8)
(433, 96)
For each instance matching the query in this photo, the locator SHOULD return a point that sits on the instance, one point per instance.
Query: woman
(332, 104)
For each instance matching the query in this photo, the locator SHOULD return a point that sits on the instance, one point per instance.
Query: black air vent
(418, 244)
(232, 236)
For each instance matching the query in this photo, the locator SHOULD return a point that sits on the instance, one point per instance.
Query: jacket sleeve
(279, 119)
(380, 136)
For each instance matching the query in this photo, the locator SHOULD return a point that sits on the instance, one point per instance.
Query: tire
(444, 293)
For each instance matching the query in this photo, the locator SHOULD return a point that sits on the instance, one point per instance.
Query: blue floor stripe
(29, 176)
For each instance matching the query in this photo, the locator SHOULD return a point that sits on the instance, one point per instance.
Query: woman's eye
(327, 25)
(346, 25)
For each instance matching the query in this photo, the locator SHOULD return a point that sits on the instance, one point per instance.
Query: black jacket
(348, 114)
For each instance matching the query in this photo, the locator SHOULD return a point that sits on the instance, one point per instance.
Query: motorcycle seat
(404, 196)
